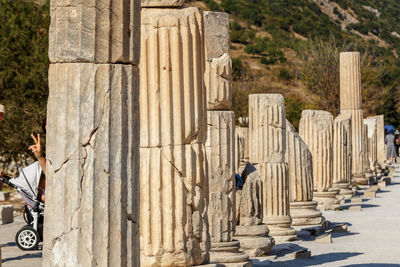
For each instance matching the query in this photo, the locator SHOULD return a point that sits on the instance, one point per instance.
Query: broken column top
(162, 3)
(350, 81)
(323, 118)
(216, 28)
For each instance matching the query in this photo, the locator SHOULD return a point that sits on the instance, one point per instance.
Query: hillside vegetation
(292, 47)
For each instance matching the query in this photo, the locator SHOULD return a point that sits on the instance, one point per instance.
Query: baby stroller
(27, 184)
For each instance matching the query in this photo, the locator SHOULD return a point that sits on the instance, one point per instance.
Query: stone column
(92, 135)
(342, 155)
(267, 137)
(173, 184)
(380, 140)
(242, 139)
(220, 145)
(351, 103)
(316, 129)
(371, 124)
(303, 209)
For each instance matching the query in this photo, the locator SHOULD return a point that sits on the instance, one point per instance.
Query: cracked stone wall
(342, 149)
(351, 103)
(299, 162)
(316, 129)
(173, 130)
(92, 135)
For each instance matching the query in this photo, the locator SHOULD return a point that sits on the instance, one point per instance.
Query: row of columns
(186, 143)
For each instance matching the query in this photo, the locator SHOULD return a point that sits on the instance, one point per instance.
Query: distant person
(2, 114)
(391, 148)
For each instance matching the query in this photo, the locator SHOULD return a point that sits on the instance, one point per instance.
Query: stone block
(356, 200)
(97, 32)
(369, 194)
(6, 214)
(256, 246)
(173, 187)
(162, 3)
(382, 184)
(251, 230)
(267, 124)
(92, 145)
(316, 129)
(218, 81)
(4, 196)
(355, 208)
(172, 91)
(340, 228)
(216, 29)
(300, 254)
(374, 188)
(325, 238)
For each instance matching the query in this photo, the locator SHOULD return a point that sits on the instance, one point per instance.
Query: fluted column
(351, 103)
(316, 129)
(174, 187)
(302, 209)
(371, 124)
(92, 135)
(380, 139)
(267, 138)
(242, 139)
(220, 145)
(342, 154)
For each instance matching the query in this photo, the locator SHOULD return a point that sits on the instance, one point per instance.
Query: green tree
(389, 108)
(23, 74)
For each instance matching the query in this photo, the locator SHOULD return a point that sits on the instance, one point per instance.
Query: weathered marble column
(351, 103)
(371, 124)
(92, 135)
(242, 139)
(173, 131)
(220, 145)
(380, 139)
(303, 209)
(267, 137)
(316, 129)
(342, 155)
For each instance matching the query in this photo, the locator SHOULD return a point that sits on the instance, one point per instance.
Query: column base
(305, 213)
(228, 254)
(254, 239)
(344, 190)
(280, 228)
(361, 178)
(326, 200)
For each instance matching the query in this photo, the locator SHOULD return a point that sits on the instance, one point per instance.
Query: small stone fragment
(6, 214)
(301, 254)
(381, 184)
(355, 208)
(4, 196)
(340, 228)
(374, 188)
(369, 194)
(356, 200)
(325, 238)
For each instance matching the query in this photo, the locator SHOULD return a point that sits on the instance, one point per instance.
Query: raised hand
(37, 147)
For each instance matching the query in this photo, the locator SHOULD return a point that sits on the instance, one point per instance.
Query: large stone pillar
(342, 155)
(92, 135)
(303, 209)
(267, 137)
(380, 139)
(173, 184)
(220, 145)
(316, 129)
(351, 103)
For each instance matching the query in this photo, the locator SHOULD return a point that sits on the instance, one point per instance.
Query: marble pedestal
(305, 213)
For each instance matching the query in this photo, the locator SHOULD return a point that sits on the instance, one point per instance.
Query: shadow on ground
(314, 260)
(26, 256)
(372, 265)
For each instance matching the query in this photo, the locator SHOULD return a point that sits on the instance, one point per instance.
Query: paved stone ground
(373, 239)
(12, 256)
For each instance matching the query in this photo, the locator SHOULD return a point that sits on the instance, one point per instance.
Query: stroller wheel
(27, 238)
